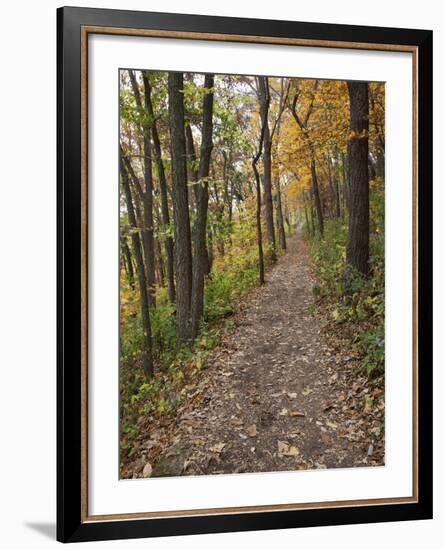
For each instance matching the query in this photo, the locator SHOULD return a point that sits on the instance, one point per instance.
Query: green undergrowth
(175, 368)
(357, 315)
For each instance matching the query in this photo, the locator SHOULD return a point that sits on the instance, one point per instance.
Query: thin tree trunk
(344, 182)
(147, 353)
(279, 216)
(358, 180)
(264, 123)
(148, 221)
(380, 164)
(163, 189)
(310, 227)
(210, 255)
(182, 232)
(200, 248)
(219, 214)
(317, 197)
(312, 213)
(128, 261)
(160, 264)
(193, 173)
(307, 223)
(266, 160)
(146, 195)
(259, 226)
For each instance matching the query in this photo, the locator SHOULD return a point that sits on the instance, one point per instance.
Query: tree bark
(147, 196)
(264, 95)
(128, 261)
(310, 226)
(317, 196)
(147, 353)
(162, 187)
(264, 123)
(148, 221)
(200, 248)
(182, 234)
(344, 182)
(358, 180)
(279, 216)
(193, 172)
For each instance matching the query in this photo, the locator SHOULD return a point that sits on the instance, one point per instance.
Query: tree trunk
(182, 232)
(146, 195)
(264, 124)
(200, 247)
(266, 160)
(259, 226)
(163, 189)
(219, 211)
(310, 226)
(358, 181)
(344, 182)
(279, 216)
(380, 164)
(128, 261)
(317, 197)
(160, 264)
(148, 221)
(147, 353)
(192, 170)
(210, 253)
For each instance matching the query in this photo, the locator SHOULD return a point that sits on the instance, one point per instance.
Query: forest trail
(275, 397)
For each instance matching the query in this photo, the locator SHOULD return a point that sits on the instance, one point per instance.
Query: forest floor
(278, 393)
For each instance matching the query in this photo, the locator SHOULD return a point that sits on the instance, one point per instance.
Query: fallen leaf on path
(217, 448)
(282, 446)
(307, 391)
(284, 412)
(147, 470)
(237, 421)
(292, 451)
(252, 430)
(285, 449)
(297, 413)
(368, 404)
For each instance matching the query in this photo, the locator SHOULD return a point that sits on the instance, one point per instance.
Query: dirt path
(275, 396)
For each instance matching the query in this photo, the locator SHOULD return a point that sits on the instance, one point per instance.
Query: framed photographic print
(245, 269)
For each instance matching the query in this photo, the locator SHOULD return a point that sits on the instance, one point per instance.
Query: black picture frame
(71, 525)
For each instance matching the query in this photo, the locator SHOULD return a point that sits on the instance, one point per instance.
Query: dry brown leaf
(292, 451)
(368, 404)
(217, 448)
(297, 413)
(282, 447)
(147, 470)
(252, 430)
